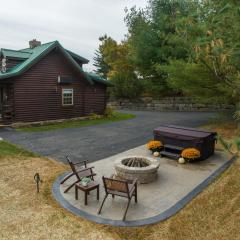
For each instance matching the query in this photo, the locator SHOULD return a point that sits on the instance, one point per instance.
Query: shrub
(109, 112)
(125, 85)
(232, 147)
(190, 154)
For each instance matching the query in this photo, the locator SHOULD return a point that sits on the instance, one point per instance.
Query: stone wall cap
(154, 163)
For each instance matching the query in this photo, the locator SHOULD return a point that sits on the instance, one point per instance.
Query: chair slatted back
(115, 185)
(73, 168)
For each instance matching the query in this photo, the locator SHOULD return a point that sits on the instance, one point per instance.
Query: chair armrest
(82, 162)
(92, 175)
(84, 169)
(134, 184)
(112, 176)
(135, 181)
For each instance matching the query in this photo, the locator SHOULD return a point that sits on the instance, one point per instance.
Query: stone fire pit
(145, 169)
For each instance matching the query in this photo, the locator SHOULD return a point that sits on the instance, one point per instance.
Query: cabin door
(3, 97)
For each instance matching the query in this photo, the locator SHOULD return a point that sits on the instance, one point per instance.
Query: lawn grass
(213, 215)
(117, 116)
(7, 149)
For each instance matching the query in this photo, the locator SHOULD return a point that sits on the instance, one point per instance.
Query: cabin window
(67, 97)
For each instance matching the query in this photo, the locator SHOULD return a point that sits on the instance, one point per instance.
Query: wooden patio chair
(79, 173)
(120, 188)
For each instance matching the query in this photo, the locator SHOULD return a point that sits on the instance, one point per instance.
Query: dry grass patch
(28, 215)
(228, 130)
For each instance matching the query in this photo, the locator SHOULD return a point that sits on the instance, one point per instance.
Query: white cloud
(76, 24)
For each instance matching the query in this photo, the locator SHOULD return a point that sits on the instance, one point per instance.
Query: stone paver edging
(160, 217)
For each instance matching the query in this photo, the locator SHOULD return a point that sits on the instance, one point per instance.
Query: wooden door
(1, 100)
(4, 95)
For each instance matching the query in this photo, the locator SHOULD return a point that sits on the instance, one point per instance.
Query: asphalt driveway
(96, 142)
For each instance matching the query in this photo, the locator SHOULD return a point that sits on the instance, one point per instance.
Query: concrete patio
(175, 186)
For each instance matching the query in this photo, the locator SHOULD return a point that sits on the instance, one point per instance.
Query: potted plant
(190, 154)
(155, 146)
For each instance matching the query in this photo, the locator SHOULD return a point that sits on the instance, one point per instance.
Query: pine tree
(102, 68)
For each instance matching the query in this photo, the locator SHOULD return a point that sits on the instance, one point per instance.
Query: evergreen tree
(154, 39)
(102, 68)
(213, 71)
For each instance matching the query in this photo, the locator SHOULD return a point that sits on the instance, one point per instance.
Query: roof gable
(78, 57)
(37, 53)
(32, 55)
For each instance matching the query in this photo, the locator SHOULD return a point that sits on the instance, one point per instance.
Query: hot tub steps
(172, 151)
(172, 147)
(170, 154)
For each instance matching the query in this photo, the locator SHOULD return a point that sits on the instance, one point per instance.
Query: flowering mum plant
(155, 146)
(190, 154)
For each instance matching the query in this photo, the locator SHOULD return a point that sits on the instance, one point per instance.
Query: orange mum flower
(154, 145)
(191, 153)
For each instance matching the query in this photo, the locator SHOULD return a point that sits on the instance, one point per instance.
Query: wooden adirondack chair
(79, 173)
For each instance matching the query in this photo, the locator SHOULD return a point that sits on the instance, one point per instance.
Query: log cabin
(47, 82)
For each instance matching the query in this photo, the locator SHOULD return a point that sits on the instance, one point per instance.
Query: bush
(195, 80)
(126, 85)
(157, 88)
(109, 112)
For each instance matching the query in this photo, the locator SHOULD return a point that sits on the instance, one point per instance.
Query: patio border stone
(147, 221)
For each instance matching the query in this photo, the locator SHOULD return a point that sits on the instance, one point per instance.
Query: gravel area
(100, 141)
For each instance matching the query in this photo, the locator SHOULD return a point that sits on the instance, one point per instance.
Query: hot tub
(184, 137)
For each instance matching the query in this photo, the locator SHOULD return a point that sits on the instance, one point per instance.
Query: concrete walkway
(176, 185)
(96, 142)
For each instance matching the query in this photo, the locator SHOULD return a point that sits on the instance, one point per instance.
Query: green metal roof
(8, 53)
(98, 78)
(32, 56)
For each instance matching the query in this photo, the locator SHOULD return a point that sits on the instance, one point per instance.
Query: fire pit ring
(145, 169)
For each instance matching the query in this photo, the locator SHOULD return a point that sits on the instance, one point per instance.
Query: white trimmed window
(67, 97)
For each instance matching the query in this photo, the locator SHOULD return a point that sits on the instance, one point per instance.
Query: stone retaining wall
(181, 104)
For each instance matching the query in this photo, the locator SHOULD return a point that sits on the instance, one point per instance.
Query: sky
(76, 24)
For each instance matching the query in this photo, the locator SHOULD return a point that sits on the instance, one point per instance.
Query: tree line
(176, 47)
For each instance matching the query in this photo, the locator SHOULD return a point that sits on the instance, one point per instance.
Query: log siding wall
(95, 99)
(38, 96)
